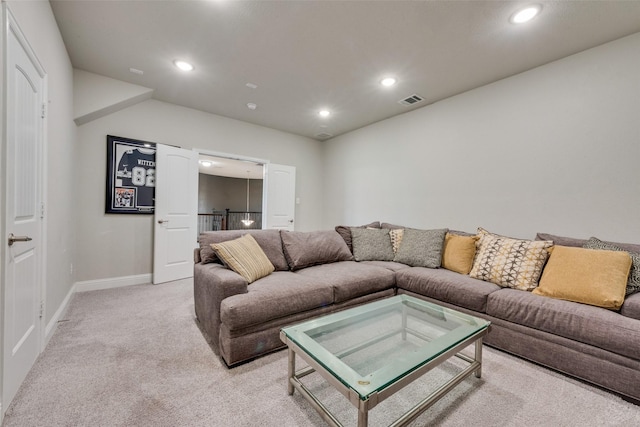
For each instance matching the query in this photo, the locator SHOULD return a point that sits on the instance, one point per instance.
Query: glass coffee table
(370, 352)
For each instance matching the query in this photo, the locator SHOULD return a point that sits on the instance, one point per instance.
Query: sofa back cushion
(269, 241)
(304, 249)
(578, 243)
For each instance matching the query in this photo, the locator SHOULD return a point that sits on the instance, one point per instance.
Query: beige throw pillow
(396, 238)
(590, 276)
(245, 257)
(458, 253)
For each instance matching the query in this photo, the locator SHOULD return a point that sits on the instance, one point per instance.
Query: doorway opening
(230, 193)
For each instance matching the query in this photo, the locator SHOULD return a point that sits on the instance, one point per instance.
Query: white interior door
(176, 213)
(279, 201)
(25, 83)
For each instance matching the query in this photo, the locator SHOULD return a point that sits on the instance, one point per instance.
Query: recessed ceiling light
(252, 85)
(252, 106)
(526, 14)
(388, 81)
(184, 66)
(324, 113)
(206, 163)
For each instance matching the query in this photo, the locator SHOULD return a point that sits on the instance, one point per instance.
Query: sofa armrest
(212, 283)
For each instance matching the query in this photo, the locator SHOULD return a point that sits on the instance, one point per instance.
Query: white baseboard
(53, 323)
(114, 282)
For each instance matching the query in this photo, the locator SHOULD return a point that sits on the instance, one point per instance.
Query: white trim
(60, 312)
(113, 282)
(230, 156)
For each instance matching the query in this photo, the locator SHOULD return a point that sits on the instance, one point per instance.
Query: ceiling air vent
(413, 99)
(323, 135)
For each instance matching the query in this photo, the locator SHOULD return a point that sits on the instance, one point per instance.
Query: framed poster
(131, 176)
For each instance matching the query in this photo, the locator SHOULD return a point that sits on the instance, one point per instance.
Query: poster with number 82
(131, 176)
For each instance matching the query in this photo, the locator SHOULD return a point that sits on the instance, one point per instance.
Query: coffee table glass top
(371, 346)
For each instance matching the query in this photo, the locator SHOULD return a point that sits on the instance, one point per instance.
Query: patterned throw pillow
(421, 248)
(245, 257)
(507, 262)
(396, 238)
(371, 244)
(633, 284)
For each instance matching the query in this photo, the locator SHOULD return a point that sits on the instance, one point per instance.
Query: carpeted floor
(135, 356)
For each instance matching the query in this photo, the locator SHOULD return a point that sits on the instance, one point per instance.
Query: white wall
(554, 149)
(111, 246)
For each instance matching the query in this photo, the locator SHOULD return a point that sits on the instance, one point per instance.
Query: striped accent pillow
(245, 257)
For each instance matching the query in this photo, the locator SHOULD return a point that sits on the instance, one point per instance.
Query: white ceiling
(309, 55)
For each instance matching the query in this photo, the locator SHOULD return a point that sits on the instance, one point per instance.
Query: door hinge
(44, 110)
(41, 210)
(41, 309)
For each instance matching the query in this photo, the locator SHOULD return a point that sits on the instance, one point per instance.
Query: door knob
(162, 221)
(12, 239)
(291, 221)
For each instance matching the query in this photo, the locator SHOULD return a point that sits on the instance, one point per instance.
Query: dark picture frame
(131, 168)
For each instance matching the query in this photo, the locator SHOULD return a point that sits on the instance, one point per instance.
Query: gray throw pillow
(371, 244)
(633, 284)
(421, 248)
(345, 232)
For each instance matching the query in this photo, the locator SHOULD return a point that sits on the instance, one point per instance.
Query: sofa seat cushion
(591, 325)
(447, 286)
(278, 295)
(350, 279)
(631, 306)
(389, 265)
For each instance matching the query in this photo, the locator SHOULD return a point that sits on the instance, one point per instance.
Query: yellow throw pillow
(245, 257)
(458, 253)
(588, 276)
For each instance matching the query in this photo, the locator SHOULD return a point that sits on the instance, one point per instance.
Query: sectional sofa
(316, 273)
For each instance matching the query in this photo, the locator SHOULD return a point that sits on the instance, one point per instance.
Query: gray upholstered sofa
(317, 274)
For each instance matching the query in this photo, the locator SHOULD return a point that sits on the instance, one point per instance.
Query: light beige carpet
(134, 356)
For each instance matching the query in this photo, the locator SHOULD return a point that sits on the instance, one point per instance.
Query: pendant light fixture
(247, 221)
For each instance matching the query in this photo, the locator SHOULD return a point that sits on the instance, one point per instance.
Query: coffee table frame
(365, 405)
